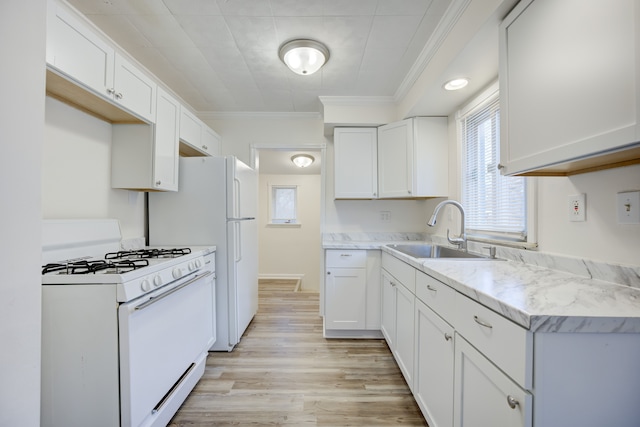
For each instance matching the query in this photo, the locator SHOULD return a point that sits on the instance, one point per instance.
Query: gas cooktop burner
(149, 253)
(95, 266)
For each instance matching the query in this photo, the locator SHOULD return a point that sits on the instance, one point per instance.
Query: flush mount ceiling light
(304, 56)
(302, 160)
(456, 84)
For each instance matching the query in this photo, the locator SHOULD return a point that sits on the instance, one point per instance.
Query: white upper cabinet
(211, 141)
(196, 138)
(569, 86)
(77, 52)
(356, 163)
(145, 157)
(413, 158)
(133, 89)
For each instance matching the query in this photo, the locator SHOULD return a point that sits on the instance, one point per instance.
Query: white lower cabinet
(403, 350)
(398, 301)
(388, 315)
(484, 395)
(433, 368)
(352, 293)
(473, 367)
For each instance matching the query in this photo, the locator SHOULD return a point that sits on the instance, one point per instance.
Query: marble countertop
(538, 298)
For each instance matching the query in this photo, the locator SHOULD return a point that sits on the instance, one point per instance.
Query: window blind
(495, 205)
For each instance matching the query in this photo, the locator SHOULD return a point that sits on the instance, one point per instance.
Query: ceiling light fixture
(456, 84)
(304, 56)
(302, 160)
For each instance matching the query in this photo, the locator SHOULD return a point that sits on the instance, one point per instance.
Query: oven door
(163, 347)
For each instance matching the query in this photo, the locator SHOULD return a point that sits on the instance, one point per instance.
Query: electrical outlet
(385, 216)
(577, 208)
(628, 207)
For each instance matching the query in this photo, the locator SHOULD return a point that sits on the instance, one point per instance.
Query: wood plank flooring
(284, 372)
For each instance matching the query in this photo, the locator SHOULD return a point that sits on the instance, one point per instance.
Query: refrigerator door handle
(238, 242)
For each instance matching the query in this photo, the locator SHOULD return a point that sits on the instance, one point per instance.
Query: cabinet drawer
(506, 344)
(402, 271)
(438, 296)
(348, 258)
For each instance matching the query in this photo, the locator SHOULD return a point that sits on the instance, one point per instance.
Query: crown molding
(446, 24)
(239, 115)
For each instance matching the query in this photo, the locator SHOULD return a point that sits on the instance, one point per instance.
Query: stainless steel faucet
(461, 240)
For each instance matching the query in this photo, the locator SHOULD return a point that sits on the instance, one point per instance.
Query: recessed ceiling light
(457, 83)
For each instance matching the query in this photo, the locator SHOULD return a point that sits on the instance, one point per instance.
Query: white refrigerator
(216, 204)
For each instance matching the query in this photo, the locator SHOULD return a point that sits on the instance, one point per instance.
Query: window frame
(479, 102)
(293, 222)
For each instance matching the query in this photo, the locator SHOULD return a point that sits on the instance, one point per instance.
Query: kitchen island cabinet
(413, 158)
(569, 79)
(79, 53)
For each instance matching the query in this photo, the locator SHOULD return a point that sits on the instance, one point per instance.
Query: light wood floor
(284, 372)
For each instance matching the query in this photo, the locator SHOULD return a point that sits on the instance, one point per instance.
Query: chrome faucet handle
(492, 251)
(458, 241)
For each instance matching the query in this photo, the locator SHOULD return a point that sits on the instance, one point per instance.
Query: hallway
(284, 372)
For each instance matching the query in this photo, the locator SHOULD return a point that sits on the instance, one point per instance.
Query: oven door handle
(154, 300)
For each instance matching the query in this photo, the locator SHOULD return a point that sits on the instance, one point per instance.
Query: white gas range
(125, 333)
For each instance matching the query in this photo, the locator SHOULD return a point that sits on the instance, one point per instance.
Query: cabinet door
(388, 317)
(345, 298)
(165, 166)
(483, 395)
(433, 368)
(355, 163)
(568, 82)
(211, 141)
(395, 153)
(404, 350)
(134, 90)
(190, 129)
(76, 51)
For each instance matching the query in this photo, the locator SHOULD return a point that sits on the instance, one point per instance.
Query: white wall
(287, 250)
(76, 171)
(22, 31)
(599, 238)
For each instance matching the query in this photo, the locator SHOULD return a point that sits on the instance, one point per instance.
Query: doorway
(291, 250)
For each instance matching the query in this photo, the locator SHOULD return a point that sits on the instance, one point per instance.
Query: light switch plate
(577, 208)
(628, 204)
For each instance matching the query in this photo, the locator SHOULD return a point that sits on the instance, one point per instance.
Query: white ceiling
(278, 162)
(222, 55)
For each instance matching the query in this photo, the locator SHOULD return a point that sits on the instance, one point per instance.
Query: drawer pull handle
(512, 401)
(447, 337)
(345, 254)
(431, 288)
(482, 322)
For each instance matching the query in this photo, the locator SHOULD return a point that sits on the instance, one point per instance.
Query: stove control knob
(177, 273)
(145, 285)
(192, 266)
(198, 263)
(157, 281)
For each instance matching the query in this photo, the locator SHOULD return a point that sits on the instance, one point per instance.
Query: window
(495, 205)
(284, 204)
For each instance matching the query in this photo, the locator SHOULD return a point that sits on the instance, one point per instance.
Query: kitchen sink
(435, 251)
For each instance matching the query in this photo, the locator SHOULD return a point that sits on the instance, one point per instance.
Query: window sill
(291, 225)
